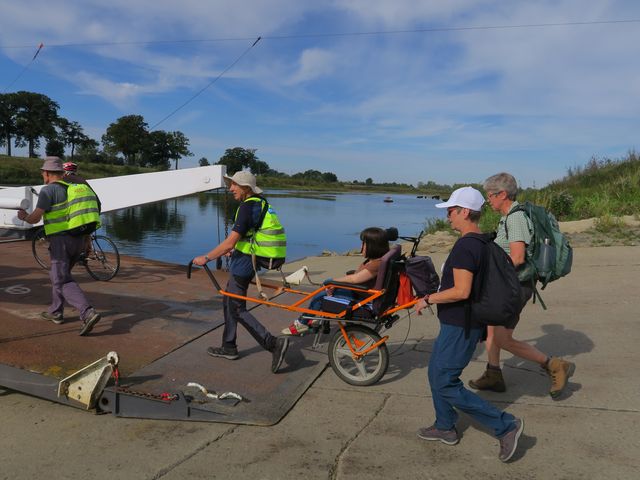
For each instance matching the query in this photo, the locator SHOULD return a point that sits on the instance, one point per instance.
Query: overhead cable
(335, 34)
(208, 85)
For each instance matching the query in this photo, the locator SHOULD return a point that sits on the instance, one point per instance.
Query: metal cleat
(86, 385)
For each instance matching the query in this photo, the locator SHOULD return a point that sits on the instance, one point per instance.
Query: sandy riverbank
(581, 233)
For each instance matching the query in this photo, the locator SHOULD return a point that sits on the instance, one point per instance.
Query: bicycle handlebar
(414, 240)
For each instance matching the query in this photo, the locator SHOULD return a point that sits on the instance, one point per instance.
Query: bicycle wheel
(103, 262)
(365, 370)
(40, 248)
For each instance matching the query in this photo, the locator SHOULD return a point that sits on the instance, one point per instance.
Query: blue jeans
(235, 311)
(451, 354)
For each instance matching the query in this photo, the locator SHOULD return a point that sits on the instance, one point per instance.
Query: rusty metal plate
(160, 324)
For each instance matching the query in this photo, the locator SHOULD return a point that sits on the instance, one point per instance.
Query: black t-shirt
(246, 220)
(466, 254)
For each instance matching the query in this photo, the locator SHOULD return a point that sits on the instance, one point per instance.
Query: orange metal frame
(354, 344)
(295, 307)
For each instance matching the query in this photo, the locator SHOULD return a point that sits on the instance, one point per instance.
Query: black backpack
(495, 295)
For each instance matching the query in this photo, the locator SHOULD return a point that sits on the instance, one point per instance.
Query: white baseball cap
(465, 197)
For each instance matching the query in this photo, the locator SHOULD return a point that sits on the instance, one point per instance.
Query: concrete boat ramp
(160, 324)
(335, 430)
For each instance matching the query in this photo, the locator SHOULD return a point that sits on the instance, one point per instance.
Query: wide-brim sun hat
(465, 197)
(244, 178)
(52, 164)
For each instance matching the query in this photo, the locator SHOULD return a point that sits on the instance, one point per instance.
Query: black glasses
(451, 209)
(494, 194)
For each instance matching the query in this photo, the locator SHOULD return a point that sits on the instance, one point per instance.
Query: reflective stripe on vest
(270, 240)
(80, 208)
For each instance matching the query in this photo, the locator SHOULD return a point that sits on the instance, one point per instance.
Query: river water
(179, 229)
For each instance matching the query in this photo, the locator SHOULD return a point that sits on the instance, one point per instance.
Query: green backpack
(549, 256)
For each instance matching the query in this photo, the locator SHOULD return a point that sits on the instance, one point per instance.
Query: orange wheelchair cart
(357, 352)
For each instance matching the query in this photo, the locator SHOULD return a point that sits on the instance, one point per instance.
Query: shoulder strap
(263, 213)
(485, 238)
(521, 207)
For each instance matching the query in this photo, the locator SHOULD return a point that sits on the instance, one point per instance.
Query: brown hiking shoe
(491, 379)
(559, 370)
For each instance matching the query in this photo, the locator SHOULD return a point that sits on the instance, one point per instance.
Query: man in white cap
(69, 211)
(256, 231)
(453, 348)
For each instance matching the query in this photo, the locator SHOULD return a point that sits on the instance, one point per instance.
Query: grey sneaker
(509, 442)
(223, 352)
(92, 318)
(449, 437)
(52, 317)
(282, 343)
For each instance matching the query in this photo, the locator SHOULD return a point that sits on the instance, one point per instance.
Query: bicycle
(102, 261)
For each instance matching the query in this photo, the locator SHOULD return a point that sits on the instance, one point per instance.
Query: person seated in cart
(248, 220)
(375, 244)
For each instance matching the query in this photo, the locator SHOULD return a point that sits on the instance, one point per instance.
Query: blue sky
(452, 104)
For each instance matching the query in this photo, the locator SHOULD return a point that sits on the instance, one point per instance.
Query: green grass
(436, 225)
(26, 171)
(604, 189)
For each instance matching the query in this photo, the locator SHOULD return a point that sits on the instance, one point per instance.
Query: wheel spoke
(362, 368)
(344, 352)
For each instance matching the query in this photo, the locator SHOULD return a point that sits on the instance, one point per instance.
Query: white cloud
(453, 94)
(314, 63)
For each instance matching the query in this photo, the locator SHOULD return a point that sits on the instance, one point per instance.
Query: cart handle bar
(206, 269)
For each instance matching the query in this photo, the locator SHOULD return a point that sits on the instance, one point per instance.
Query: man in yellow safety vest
(69, 211)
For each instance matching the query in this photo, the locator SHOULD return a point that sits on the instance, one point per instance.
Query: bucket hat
(52, 164)
(244, 178)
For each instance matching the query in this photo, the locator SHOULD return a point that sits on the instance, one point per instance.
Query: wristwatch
(206, 257)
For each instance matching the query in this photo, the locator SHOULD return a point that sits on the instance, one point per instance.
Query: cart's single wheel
(365, 370)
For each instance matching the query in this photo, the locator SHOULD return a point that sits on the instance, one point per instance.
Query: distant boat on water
(388, 200)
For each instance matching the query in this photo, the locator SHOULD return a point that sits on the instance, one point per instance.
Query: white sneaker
(296, 328)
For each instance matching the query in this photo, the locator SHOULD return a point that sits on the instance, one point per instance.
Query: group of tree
(238, 158)
(28, 118)
(130, 136)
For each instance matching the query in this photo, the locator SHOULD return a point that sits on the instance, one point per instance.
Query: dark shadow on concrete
(399, 367)
(524, 377)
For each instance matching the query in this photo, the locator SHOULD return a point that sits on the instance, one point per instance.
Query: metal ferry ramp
(160, 324)
(157, 321)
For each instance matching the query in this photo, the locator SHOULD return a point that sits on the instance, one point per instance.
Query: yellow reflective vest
(80, 208)
(269, 240)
